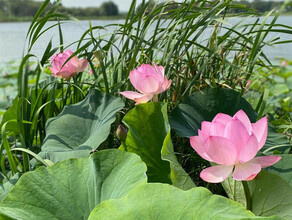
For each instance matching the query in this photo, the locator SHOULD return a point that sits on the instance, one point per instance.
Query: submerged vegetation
(61, 131)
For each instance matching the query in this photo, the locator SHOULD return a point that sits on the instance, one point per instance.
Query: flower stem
(124, 144)
(155, 98)
(247, 195)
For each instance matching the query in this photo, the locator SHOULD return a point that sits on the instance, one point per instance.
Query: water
(12, 38)
(13, 34)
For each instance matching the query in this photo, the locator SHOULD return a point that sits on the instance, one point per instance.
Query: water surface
(12, 37)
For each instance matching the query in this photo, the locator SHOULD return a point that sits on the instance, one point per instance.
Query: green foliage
(26, 9)
(235, 191)
(203, 53)
(203, 106)
(272, 88)
(258, 5)
(149, 137)
(161, 201)
(270, 195)
(108, 9)
(19, 8)
(80, 128)
(147, 131)
(7, 186)
(71, 189)
(283, 168)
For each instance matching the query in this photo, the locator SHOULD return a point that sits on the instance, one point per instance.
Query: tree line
(28, 8)
(239, 6)
(260, 6)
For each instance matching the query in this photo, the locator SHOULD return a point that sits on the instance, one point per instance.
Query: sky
(123, 5)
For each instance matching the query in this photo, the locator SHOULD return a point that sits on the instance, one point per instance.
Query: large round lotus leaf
(71, 189)
(283, 168)
(204, 105)
(7, 186)
(162, 201)
(271, 195)
(147, 131)
(149, 137)
(81, 127)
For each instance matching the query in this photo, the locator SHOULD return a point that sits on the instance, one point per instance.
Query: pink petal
(203, 135)
(56, 61)
(197, 145)
(236, 132)
(74, 61)
(68, 52)
(244, 119)
(131, 95)
(222, 118)
(69, 67)
(166, 84)
(250, 149)
(53, 58)
(246, 171)
(65, 74)
(206, 127)
(135, 78)
(159, 70)
(137, 97)
(217, 129)
(260, 129)
(149, 84)
(143, 99)
(216, 174)
(82, 65)
(266, 161)
(221, 150)
(54, 71)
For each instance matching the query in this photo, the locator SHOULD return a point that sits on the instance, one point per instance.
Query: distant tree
(169, 7)
(20, 8)
(148, 9)
(109, 9)
(261, 6)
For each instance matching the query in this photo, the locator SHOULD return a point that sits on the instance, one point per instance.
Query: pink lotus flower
(284, 63)
(149, 81)
(70, 69)
(232, 142)
(248, 83)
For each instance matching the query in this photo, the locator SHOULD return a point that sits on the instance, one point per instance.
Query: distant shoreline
(27, 19)
(116, 17)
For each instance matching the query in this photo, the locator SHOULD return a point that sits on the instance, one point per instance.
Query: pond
(12, 37)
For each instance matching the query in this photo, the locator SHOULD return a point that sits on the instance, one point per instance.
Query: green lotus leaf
(81, 127)
(283, 168)
(149, 137)
(71, 189)
(204, 105)
(270, 195)
(162, 201)
(7, 186)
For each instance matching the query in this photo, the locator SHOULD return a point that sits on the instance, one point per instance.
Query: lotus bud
(121, 132)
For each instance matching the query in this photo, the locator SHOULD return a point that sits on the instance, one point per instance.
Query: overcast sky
(123, 5)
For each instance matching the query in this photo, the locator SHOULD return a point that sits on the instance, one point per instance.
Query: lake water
(12, 38)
